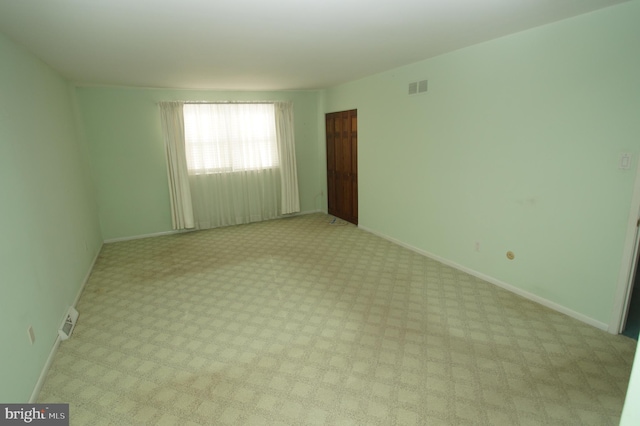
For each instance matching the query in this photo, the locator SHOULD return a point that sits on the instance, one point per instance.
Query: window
(239, 164)
(224, 138)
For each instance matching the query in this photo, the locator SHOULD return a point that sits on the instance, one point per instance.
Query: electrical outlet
(477, 246)
(32, 335)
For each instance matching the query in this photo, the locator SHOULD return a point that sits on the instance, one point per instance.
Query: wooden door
(342, 164)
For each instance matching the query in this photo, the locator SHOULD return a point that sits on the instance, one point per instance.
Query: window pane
(230, 137)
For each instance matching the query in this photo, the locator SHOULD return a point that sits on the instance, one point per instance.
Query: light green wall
(48, 217)
(127, 152)
(515, 145)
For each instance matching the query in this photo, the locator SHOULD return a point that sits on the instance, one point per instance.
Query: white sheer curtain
(172, 119)
(233, 177)
(223, 199)
(287, 156)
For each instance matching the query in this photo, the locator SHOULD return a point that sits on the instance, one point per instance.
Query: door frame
(628, 271)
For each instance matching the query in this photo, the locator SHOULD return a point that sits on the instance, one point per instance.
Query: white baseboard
(159, 234)
(56, 344)
(535, 298)
(138, 237)
(301, 213)
(45, 370)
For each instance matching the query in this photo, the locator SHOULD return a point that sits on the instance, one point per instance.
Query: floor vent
(69, 324)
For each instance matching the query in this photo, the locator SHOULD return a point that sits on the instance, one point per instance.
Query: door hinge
(638, 223)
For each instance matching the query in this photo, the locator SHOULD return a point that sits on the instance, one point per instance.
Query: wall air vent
(417, 87)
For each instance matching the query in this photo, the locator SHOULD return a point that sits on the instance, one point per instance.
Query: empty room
(336, 213)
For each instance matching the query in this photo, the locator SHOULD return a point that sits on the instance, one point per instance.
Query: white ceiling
(259, 44)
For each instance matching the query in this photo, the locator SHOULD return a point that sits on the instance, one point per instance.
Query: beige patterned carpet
(299, 322)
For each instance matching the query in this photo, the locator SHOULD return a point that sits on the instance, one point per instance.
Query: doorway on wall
(632, 323)
(631, 320)
(627, 304)
(342, 164)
